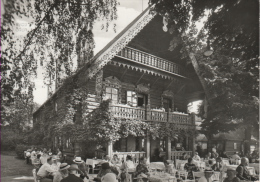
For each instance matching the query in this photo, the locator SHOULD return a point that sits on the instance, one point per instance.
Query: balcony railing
(151, 61)
(128, 112)
(124, 111)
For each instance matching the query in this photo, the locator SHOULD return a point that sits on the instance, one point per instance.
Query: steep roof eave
(99, 54)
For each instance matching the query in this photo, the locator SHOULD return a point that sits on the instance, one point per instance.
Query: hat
(78, 160)
(74, 167)
(64, 166)
(209, 171)
(105, 165)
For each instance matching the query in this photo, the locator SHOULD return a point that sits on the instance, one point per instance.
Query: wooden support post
(110, 149)
(168, 148)
(188, 147)
(148, 147)
(193, 144)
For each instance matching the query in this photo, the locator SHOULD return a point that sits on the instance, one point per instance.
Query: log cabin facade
(144, 81)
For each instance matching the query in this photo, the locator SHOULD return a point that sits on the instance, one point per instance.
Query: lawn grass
(11, 166)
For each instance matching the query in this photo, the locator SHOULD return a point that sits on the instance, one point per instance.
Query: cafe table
(256, 166)
(93, 162)
(157, 166)
(161, 177)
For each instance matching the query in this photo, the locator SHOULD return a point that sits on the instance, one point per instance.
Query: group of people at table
(214, 163)
(114, 170)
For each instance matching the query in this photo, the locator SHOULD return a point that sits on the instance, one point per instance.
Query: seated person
(214, 155)
(207, 176)
(196, 157)
(235, 158)
(116, 161)
(127, 168)
(141, 168)
(210, 164)
(184, 156)
(62, 173)
(73, 172)
(83, 169)
(55, 164)
(128, 164)
(231, 176)
(208, 156)
(224, 155)
(37, 162)
(189, 167)
(109, 177)
(46, 170)
(217, 166)
(242, 171)
(104, 169)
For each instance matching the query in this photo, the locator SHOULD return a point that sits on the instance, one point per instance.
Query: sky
(127, 11)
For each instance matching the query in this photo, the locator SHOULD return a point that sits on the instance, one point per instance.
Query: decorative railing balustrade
(124, 111)
(151, 60)
(159, 116)
(128, 112)
(177, 154)
(180, 118)
(135, 155)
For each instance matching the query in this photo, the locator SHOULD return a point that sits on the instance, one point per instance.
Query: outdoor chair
(197, 175)
(216, 176)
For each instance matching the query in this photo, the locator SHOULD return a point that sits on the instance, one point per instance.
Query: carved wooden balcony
(125, 111)
(128, 112)
(151, 61)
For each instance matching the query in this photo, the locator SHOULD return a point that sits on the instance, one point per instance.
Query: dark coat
(243, 173)
(72, 178)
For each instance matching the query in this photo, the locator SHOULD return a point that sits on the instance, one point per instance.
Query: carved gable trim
(116, 45)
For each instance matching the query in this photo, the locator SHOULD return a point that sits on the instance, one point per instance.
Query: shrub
(20, 148)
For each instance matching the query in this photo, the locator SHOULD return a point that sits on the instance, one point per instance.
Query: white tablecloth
(157, 165)
(256, 166)
(160, 177)
(93, 162)
(180, 164)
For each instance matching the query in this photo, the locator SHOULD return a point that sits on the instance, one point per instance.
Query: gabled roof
(104, 56)
(112, 48)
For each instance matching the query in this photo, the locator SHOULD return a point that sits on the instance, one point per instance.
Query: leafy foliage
(56, 29)
(231, 72)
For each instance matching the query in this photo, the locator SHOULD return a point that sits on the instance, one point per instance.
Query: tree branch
(34, 32)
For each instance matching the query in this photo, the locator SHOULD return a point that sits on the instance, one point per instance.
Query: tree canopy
(51, 43)
(230, 29)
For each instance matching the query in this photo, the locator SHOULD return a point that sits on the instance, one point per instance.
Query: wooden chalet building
(143, 79)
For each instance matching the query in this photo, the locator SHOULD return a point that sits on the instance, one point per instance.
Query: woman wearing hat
(62, 173)
(82, 167)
